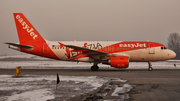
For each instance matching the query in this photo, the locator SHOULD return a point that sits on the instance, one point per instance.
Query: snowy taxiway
(37, 81)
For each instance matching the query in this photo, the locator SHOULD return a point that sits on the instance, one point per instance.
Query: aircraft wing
(85, 50)
(99, 55)
(20, 46)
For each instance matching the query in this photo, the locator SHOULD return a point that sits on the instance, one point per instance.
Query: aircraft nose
(172, 54)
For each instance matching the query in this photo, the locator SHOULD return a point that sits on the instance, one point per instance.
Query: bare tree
(174, 44)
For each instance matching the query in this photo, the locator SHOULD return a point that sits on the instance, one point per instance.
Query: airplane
(117, 54)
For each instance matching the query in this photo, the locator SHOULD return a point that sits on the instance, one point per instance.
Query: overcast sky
(92, 20)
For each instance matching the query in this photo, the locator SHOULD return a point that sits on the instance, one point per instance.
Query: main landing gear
(150, 66)
(95, 67)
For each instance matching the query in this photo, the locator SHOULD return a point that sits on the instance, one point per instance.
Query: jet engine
(118, 61)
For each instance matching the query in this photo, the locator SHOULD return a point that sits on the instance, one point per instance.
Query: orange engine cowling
(118, 61)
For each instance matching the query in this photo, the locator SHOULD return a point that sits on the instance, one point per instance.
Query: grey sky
(92, 20)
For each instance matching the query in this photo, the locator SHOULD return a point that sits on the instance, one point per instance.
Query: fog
(92, 20)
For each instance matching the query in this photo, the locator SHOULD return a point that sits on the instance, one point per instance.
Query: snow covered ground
(42, 88)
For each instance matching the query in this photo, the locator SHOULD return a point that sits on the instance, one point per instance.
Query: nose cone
(172, 54)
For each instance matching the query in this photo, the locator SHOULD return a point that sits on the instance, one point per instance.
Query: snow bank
(35, 95)
(43, 87)
(124, 89)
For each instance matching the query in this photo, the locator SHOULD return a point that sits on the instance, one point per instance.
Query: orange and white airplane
(115, 54)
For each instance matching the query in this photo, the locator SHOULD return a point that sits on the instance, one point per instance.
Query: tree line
(174, 44)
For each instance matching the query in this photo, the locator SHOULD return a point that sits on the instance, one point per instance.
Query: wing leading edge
(85, 50)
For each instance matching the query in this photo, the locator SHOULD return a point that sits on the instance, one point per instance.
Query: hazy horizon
(92, 20)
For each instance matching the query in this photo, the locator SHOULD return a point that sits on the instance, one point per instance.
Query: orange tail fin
(26, 32)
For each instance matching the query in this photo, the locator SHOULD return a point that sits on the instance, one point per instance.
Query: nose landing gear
(150, 66)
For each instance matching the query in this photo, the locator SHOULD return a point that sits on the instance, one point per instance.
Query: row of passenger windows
(108, 47)
(162, 48)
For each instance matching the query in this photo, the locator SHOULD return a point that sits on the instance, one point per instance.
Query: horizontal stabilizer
(20, 46)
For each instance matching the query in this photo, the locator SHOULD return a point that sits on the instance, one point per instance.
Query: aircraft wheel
(150, 68)
(94, 68)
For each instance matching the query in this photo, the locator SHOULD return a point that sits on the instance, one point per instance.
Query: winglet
(61, 45)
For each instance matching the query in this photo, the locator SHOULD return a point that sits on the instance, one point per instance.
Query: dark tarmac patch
(105, 92)
(140, 88)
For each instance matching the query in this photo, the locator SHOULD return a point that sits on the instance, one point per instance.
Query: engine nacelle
(118, 61)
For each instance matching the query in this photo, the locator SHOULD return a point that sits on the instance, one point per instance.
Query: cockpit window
(162, 48)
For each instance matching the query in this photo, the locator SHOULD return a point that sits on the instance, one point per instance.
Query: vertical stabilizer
(26, 32)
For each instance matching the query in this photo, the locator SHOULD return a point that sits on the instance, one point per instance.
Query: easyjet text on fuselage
(133, 45)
